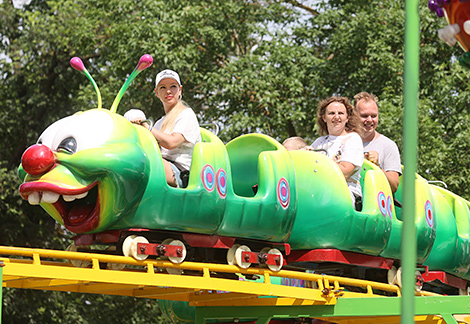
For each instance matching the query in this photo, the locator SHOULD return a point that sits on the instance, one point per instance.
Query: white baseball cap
(134, 114)
(167, 74)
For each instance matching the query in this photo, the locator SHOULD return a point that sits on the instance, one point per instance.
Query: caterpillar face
(86, 170)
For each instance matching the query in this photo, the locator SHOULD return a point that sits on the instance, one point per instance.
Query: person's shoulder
(321, 137)
(354, 135)
(318, 140)
(188, 112)
(159, 121)
(384, 138)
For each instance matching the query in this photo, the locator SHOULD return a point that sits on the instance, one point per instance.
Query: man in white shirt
(378, 148)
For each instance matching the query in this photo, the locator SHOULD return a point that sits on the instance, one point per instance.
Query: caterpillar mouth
(78, 208)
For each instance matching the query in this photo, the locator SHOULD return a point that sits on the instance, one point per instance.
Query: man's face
(369, 114)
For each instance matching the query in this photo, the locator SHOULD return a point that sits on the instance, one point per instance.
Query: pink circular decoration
(222, 183)
(429, 213)
(208, 177)
(389, 207)
(382, 203)
(283, 192)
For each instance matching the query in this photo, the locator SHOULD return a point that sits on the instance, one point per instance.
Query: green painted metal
(410, 135)
(449, 319)
(320, 186)
(263, 320)
(256, 159)
(345, 307)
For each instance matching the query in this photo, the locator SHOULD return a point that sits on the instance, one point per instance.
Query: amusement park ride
(294, 250)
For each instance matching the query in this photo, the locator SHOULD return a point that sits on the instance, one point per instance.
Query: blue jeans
(177, 173)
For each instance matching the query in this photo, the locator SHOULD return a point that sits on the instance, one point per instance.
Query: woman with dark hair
(338, 123)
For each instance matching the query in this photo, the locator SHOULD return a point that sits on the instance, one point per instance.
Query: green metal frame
(446, 306)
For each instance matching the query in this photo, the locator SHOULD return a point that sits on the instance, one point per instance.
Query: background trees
(249, 66)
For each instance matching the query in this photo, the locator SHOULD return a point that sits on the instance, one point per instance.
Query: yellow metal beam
(199, 284)
(62, 274)
(164, 293)
(259, 301)
(214, 296)
(34, 283)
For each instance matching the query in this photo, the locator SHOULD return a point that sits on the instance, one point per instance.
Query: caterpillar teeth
(35, 198)
(72, 198)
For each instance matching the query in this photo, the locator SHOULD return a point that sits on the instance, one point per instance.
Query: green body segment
(260, 170)
(193, 209)
(451, 246)
(211, 204)
(424, 221)
(325, 215)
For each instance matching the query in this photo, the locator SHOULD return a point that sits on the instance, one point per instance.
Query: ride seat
(243, 153)
(373, 181)
(460, 209)
(211, 150)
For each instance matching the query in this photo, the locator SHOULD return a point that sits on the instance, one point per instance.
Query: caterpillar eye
(68, 145)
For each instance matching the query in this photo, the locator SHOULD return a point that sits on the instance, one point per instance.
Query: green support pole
(410, 135)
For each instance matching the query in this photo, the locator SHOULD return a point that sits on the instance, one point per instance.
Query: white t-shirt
(347, 148)
(389, 156)
(187, 125)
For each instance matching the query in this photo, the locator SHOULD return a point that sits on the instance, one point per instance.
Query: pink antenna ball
(77, 64)
(145, 61)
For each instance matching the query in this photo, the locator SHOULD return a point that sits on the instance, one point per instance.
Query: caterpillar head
(87, 170)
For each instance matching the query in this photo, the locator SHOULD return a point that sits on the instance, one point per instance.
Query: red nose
(37, 159)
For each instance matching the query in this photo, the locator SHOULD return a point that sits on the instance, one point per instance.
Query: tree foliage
(248, 66)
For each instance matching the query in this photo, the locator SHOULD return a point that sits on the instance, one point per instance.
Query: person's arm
(393, 179)
(392, 176)
(168, 141)
(352, 156)
(372, 156)
(347, 168)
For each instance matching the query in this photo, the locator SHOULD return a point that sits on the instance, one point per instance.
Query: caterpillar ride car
(102, 178)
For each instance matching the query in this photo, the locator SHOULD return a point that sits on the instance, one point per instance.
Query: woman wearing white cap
(178, 131)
